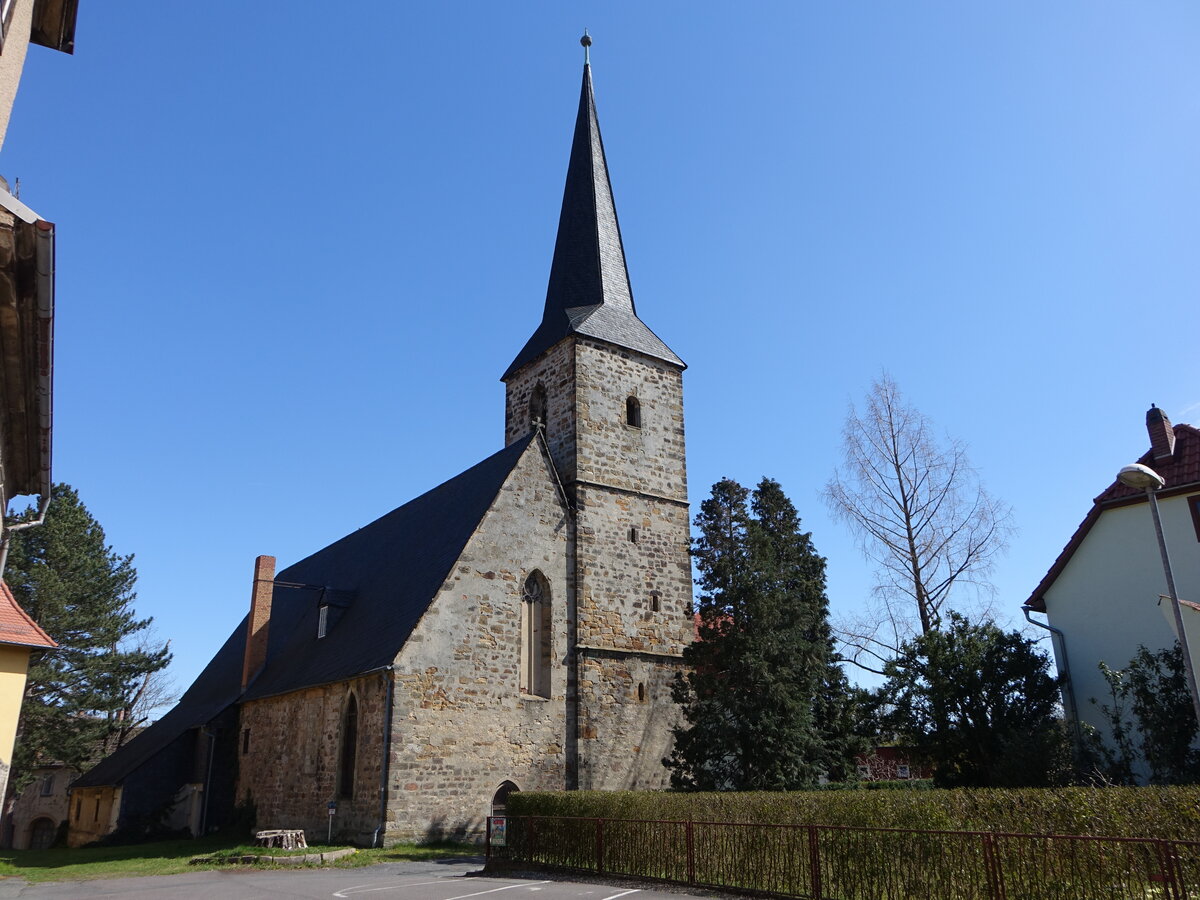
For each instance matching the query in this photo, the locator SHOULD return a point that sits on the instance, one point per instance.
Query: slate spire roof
(589, 292)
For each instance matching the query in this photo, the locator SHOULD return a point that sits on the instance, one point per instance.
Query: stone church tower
(608, 395)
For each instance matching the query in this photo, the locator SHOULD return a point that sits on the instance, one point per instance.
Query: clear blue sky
(299, 243)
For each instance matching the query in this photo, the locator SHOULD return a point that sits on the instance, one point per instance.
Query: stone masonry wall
(648, 459)
(461, 725)
(634, 588)
(555, 371)
(288, 765)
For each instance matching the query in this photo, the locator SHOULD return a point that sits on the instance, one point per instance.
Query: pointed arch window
(633, 412)
(349, 755)
(536, 636)
(537, 406)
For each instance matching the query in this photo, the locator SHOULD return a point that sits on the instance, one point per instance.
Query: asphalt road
(446, 880)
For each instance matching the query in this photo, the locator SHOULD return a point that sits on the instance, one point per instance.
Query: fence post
(691, 854)
(992, 866)
(1168, 866)
(814, 861)
(599, 846)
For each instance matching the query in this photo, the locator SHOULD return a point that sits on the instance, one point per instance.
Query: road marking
(622, 894)
(367, 889)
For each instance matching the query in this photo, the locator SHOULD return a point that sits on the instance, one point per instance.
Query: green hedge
(1155, 812)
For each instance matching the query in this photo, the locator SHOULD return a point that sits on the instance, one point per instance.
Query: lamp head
(1139, 477)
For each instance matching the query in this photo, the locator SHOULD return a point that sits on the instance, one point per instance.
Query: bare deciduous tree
(920, 514)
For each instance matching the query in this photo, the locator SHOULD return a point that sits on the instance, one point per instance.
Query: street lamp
(1144, 478)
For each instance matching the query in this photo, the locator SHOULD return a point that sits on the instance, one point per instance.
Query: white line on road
(366, 889)
(622, 894)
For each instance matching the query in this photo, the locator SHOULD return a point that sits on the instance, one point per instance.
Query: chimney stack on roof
(1162, 435)
(260, 619)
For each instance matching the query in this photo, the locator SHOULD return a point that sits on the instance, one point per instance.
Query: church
(517, 627)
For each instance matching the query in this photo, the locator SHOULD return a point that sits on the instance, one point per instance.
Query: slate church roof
(589, 292)
(382, 578)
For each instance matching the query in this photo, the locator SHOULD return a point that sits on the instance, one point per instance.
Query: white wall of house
(1106, 598)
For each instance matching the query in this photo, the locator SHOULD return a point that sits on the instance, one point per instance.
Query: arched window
(349, 756)
(633, 412)
(537, 406)
(641, 692)
(500, 798)
(536, 636)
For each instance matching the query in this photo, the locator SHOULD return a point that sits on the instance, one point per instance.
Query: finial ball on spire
(586, 40)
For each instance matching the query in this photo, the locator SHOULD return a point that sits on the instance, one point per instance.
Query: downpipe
(1068, 684)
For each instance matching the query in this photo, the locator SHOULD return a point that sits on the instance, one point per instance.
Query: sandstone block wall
(555, 371)
(461, 726)
(289, 763)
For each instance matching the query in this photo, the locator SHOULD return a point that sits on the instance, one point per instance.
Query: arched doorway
(500, 798)
(41, 833)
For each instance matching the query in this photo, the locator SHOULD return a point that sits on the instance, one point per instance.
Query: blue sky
(299, 244)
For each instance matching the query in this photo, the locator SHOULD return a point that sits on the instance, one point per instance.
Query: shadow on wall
(440, 831)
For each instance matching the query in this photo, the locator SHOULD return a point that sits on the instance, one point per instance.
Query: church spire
(589, 292)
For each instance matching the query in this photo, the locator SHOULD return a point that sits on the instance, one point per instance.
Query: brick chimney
(1162, 435)
(260, 618)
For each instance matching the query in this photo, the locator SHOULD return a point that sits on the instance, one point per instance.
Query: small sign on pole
(332, 813)
(499, 831)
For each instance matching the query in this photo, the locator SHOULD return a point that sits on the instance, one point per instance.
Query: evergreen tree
(764, 702)
(76, 588)
(980, 705)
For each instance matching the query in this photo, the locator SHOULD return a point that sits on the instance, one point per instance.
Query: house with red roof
(1104, 595)
(19, 637)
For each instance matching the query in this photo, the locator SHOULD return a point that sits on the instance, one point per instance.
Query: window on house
(641, 692)
(633, 535)
(245, 741)
(47, 785)
(1194, 506)
(655, 601)
(537, 406)
(96, 814)
(633, 412)
(322, 622)
(6, 14)
(902, 771)
(536, 636)
(349, 758)
(78, 808)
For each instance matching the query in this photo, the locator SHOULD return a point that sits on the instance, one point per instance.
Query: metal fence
(819, 862)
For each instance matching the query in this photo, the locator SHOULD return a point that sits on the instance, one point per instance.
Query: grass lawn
(170, 857)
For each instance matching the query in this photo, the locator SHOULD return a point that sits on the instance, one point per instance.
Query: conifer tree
(81, 593)
(764, 701)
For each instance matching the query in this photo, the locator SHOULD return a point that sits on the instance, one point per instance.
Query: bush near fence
(1170, 813)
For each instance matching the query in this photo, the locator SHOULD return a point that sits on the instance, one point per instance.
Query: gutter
(1068, 687)
(44, 289)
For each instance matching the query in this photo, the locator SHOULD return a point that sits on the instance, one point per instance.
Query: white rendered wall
(1106, 599)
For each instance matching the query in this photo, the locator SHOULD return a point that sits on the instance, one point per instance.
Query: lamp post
(1144, 478)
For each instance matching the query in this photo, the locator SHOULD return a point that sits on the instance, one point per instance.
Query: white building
(1104, 595)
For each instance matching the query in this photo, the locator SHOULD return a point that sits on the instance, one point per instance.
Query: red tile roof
(15, 625)
(1182, 475)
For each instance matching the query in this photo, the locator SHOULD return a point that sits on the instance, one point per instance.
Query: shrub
(1170, 812)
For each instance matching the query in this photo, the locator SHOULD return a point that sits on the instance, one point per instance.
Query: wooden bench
(281, 838)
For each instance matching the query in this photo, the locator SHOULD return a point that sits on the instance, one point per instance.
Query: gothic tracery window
(536, 636)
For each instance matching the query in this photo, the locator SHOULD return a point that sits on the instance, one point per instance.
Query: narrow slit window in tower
(537, 407)
(633, 412)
